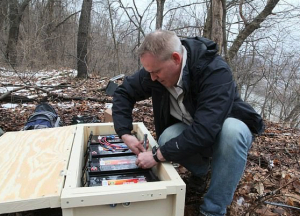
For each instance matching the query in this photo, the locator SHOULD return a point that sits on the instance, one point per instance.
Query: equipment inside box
(113, 163)
(141, 176)
(110, 162)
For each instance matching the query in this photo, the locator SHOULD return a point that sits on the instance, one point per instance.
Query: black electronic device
(98, 150)
(109, 161)
(104, 164)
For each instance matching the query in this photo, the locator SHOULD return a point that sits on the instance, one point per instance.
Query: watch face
(154, 150)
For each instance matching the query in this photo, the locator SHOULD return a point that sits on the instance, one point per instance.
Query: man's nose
(153, 76)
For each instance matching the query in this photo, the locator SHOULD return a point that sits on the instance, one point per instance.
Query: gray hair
(161, 43)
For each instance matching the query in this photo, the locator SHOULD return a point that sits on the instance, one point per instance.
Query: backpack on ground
(44, 116)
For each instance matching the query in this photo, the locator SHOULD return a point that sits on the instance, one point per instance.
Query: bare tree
(249, 27)
(16, 10)
(3, 12)
(136, 19)
(82, 41)
(113, 35)
(214, 22)
(159, 13)
(290, 94)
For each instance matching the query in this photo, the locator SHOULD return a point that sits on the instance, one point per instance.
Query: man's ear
(176, 57)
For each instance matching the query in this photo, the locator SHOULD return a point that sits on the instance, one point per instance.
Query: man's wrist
(160, 156)
(125, 135)
(154, 153)
(157, 155)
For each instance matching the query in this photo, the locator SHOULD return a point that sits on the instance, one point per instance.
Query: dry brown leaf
(296, 185)
(260, 188)
(265, 211)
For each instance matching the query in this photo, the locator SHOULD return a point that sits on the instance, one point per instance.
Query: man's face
(165, 72)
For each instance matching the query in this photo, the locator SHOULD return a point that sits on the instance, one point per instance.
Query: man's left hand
(145, 160)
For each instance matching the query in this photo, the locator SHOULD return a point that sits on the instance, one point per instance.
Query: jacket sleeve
(215, 97)
(125, 96)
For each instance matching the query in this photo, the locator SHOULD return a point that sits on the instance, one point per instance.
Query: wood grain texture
(32, 167)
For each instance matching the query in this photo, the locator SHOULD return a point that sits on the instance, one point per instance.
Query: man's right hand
(133, 143)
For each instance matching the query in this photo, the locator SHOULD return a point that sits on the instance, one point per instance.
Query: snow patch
(9, 105)
(65, 105)
(240, 201)
(6, 89)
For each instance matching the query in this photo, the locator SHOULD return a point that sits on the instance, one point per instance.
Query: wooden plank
(76, 161)
(32, 168)
(90, 196)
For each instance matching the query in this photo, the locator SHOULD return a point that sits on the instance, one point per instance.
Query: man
(198, 113)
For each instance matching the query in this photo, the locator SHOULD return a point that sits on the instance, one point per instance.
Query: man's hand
(133, 143)
(145, 160)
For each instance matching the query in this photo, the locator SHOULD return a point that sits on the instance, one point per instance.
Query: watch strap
(154, 154)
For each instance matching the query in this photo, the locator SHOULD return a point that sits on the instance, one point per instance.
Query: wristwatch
(154, 153)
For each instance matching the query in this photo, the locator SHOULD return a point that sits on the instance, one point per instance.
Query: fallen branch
(64, 97)
(3, 96)
(281, 205)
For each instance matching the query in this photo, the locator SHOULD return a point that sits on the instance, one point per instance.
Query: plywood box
(62, 163)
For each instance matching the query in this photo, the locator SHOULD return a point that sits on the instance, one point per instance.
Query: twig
(281, 205)
(263, 198)
(276, 190)
(288, 152)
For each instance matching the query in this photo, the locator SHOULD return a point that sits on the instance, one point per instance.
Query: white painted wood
(90, 196)
(161, 207)
(32, 167)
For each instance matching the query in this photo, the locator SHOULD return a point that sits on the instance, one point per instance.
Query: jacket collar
(199, 51)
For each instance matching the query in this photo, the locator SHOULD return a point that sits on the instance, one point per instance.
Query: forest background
(259, 39)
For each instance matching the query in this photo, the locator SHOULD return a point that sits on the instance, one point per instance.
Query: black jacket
(210, 96)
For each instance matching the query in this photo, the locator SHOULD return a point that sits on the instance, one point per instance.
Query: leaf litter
(270, 185)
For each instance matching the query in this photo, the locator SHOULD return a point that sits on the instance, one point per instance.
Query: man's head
(161, 55)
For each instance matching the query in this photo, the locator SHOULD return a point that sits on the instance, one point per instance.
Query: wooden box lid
(32, 168)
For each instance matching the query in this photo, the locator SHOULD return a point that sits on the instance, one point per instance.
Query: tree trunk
(15, 16)
(49, 41)
(208, 22)
(114, 38)
(13, 34)
(82, 39)
(3, 13)
(224, 49)
(159, 13)
(213, 28)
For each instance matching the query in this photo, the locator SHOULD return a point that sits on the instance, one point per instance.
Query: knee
(235, 134)
(171, 132)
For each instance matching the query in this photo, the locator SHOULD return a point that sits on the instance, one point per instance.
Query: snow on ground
(10, 80)
(6, 89)
(9, 105)
(14, 105)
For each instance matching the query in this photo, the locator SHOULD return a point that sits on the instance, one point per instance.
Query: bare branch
(62, 22)
(250, 28)
(241, 12)
(183, 6)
